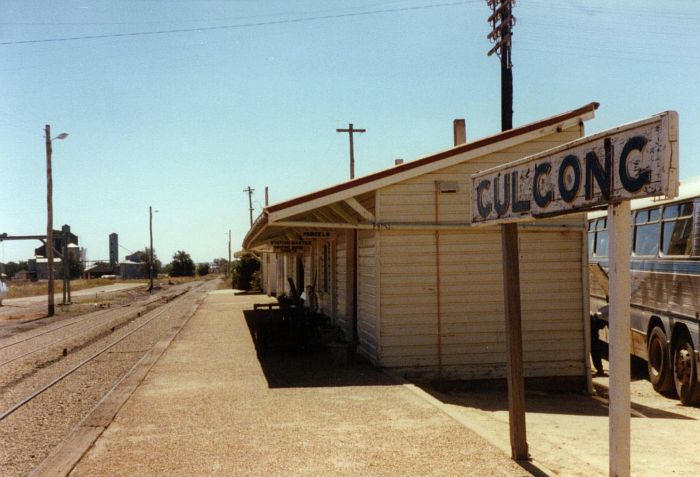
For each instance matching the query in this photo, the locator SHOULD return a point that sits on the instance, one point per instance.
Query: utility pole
(49, 220)
(502, 21)
(250, 203)
(350, 130)
(150, 249)
(65, 231)
(49, 216)
(228, 267)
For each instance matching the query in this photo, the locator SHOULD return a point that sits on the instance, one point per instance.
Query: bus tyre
(658, 361)
(685, 373)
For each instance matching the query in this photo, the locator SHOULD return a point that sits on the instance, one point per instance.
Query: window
(677, 227)
(647, 229)
(591, 237)
(601, 237)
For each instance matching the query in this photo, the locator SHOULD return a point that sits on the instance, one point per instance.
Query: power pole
(502, 21)
(65, 231)
(150, 250)
(250, 203)
(49, 220)
(228, 268)
(350, 130)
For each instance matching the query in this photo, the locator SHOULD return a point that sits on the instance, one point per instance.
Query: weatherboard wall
(471, 319)
(367, 328)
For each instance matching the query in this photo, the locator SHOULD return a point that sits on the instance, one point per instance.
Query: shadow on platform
(289, 362)
(492, 395)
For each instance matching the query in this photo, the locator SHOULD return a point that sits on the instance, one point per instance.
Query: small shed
(395, 263)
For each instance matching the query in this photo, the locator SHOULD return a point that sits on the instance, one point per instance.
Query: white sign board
(628, 162)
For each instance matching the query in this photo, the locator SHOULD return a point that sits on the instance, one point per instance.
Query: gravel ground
(28, 435)
(210, 407)
(34, 307)
(80, 338)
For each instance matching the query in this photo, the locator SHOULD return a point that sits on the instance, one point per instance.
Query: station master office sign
(635, 160)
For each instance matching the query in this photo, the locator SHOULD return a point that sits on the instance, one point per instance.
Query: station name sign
(628, 162)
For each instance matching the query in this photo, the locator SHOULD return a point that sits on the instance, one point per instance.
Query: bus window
(677, 226)
(601, 239)
(647, 229)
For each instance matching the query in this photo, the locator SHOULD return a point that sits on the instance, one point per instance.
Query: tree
(143, 257)
(243, 271)
(167, 269)
(13, 267)
(182, 264)
(222, 265)
(202, 269)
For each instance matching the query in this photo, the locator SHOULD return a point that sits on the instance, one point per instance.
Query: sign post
(610, 168)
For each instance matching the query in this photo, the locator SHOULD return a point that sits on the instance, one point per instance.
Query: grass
(26, 289)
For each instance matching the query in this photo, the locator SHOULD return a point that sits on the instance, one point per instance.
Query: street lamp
(49, 210)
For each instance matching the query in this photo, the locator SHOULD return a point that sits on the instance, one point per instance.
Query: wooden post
(49, 222)
(350, 130)
(150, 251)
(511, 270)
(250, 203)
(514, 342)
(65, 231)
(619, 290)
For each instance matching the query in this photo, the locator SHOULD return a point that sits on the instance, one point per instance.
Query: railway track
(39, 407)
(91, 324)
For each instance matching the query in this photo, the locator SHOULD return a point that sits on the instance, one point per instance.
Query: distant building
(129, 270)
(57, 243)
(98, 269)
(21, 276)
(38, 268)
(113, 250)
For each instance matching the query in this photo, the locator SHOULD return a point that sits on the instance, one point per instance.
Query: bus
(665, 300)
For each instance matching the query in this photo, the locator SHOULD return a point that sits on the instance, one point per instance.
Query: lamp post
(49, 214)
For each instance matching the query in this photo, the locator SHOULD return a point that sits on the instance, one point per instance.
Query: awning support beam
(357, 207)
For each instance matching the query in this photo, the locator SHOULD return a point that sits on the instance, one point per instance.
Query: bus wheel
(685, 375)
(658, 366)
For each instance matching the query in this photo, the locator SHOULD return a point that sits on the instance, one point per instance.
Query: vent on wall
(448, 187)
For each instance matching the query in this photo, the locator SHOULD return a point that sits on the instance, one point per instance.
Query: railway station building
(395, 263)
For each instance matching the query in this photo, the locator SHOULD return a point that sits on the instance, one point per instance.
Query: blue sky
(184, 121)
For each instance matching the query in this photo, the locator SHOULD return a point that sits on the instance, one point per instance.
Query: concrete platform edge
(61, 461)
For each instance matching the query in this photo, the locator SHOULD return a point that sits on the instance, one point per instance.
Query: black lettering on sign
(602, 174)
(569, 162)
(541, 200)
(501, 207)
(633, 184)
(484, 209)
(518, 205)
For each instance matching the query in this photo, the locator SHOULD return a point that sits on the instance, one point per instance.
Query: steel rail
(84, 332)
(76, 335)
(87, 317)
(65, 325)
(38, 392)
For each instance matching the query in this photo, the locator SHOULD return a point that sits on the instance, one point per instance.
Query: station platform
(210, 406)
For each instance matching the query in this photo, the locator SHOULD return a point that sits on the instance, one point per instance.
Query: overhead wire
(236, 26)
